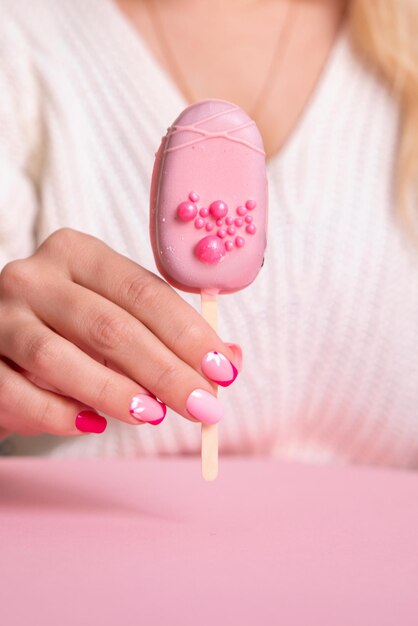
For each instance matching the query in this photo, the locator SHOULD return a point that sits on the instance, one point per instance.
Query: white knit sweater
(329, 329)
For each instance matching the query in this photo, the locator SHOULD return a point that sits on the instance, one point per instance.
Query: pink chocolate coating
(216, 150)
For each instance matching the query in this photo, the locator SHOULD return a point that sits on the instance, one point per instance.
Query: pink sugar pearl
(219, 222)
(218, 209)
(241, 210)
(199, 223)
(209, 226)
(229, 220)
(231, 230)
(204, 212)
(221, 233)
(194, 197)
(238, 221)
(186, 211)
(248, 219)
(251, 229)
(229, 245)
(210, 250)
(251, 204)
(239, 241)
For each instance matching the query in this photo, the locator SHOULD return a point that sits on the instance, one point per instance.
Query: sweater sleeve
(19, 128)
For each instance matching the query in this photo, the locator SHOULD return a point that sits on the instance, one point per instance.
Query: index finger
(144, 295)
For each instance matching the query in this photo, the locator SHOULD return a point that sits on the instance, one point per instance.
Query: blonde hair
(385, 32)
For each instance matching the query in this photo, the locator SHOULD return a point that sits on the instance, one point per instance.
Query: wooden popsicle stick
(209, 443)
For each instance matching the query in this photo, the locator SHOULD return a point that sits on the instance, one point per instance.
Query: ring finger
(62, 365)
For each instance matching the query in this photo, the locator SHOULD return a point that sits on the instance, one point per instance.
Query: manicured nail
(204, 406)
(218, 368)
(90, 422)
(237, 351)
(147, 408)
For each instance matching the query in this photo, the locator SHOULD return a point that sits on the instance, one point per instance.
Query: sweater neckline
(319, 98)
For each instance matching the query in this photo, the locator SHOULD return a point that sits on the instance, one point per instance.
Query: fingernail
(204, 406)
(147, 408)
(90, 422)
(237, 351)
(218, 368)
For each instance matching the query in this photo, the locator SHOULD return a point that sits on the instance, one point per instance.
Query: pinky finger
(26, 409)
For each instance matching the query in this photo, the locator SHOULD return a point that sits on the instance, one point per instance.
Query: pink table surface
(147, 542)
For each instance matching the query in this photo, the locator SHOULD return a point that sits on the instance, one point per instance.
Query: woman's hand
(83, 326)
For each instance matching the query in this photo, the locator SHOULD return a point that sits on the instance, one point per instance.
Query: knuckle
(16, 277)
(40, 353)
(189, 333)
(63, 236)
(60, 240)
(42, 417)
(167, 378)
(105, 391)
(109, 332)
(141, 290)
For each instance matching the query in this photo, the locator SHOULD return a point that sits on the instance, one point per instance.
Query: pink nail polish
(147, 408)
(219, 369)
(90, 422)
(237, 350)
(204, 406)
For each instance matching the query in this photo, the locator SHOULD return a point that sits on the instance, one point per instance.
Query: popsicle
(208, 212)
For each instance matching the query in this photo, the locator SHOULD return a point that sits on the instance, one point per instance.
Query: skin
(225, 47)
(83, 326)
(86, 321)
